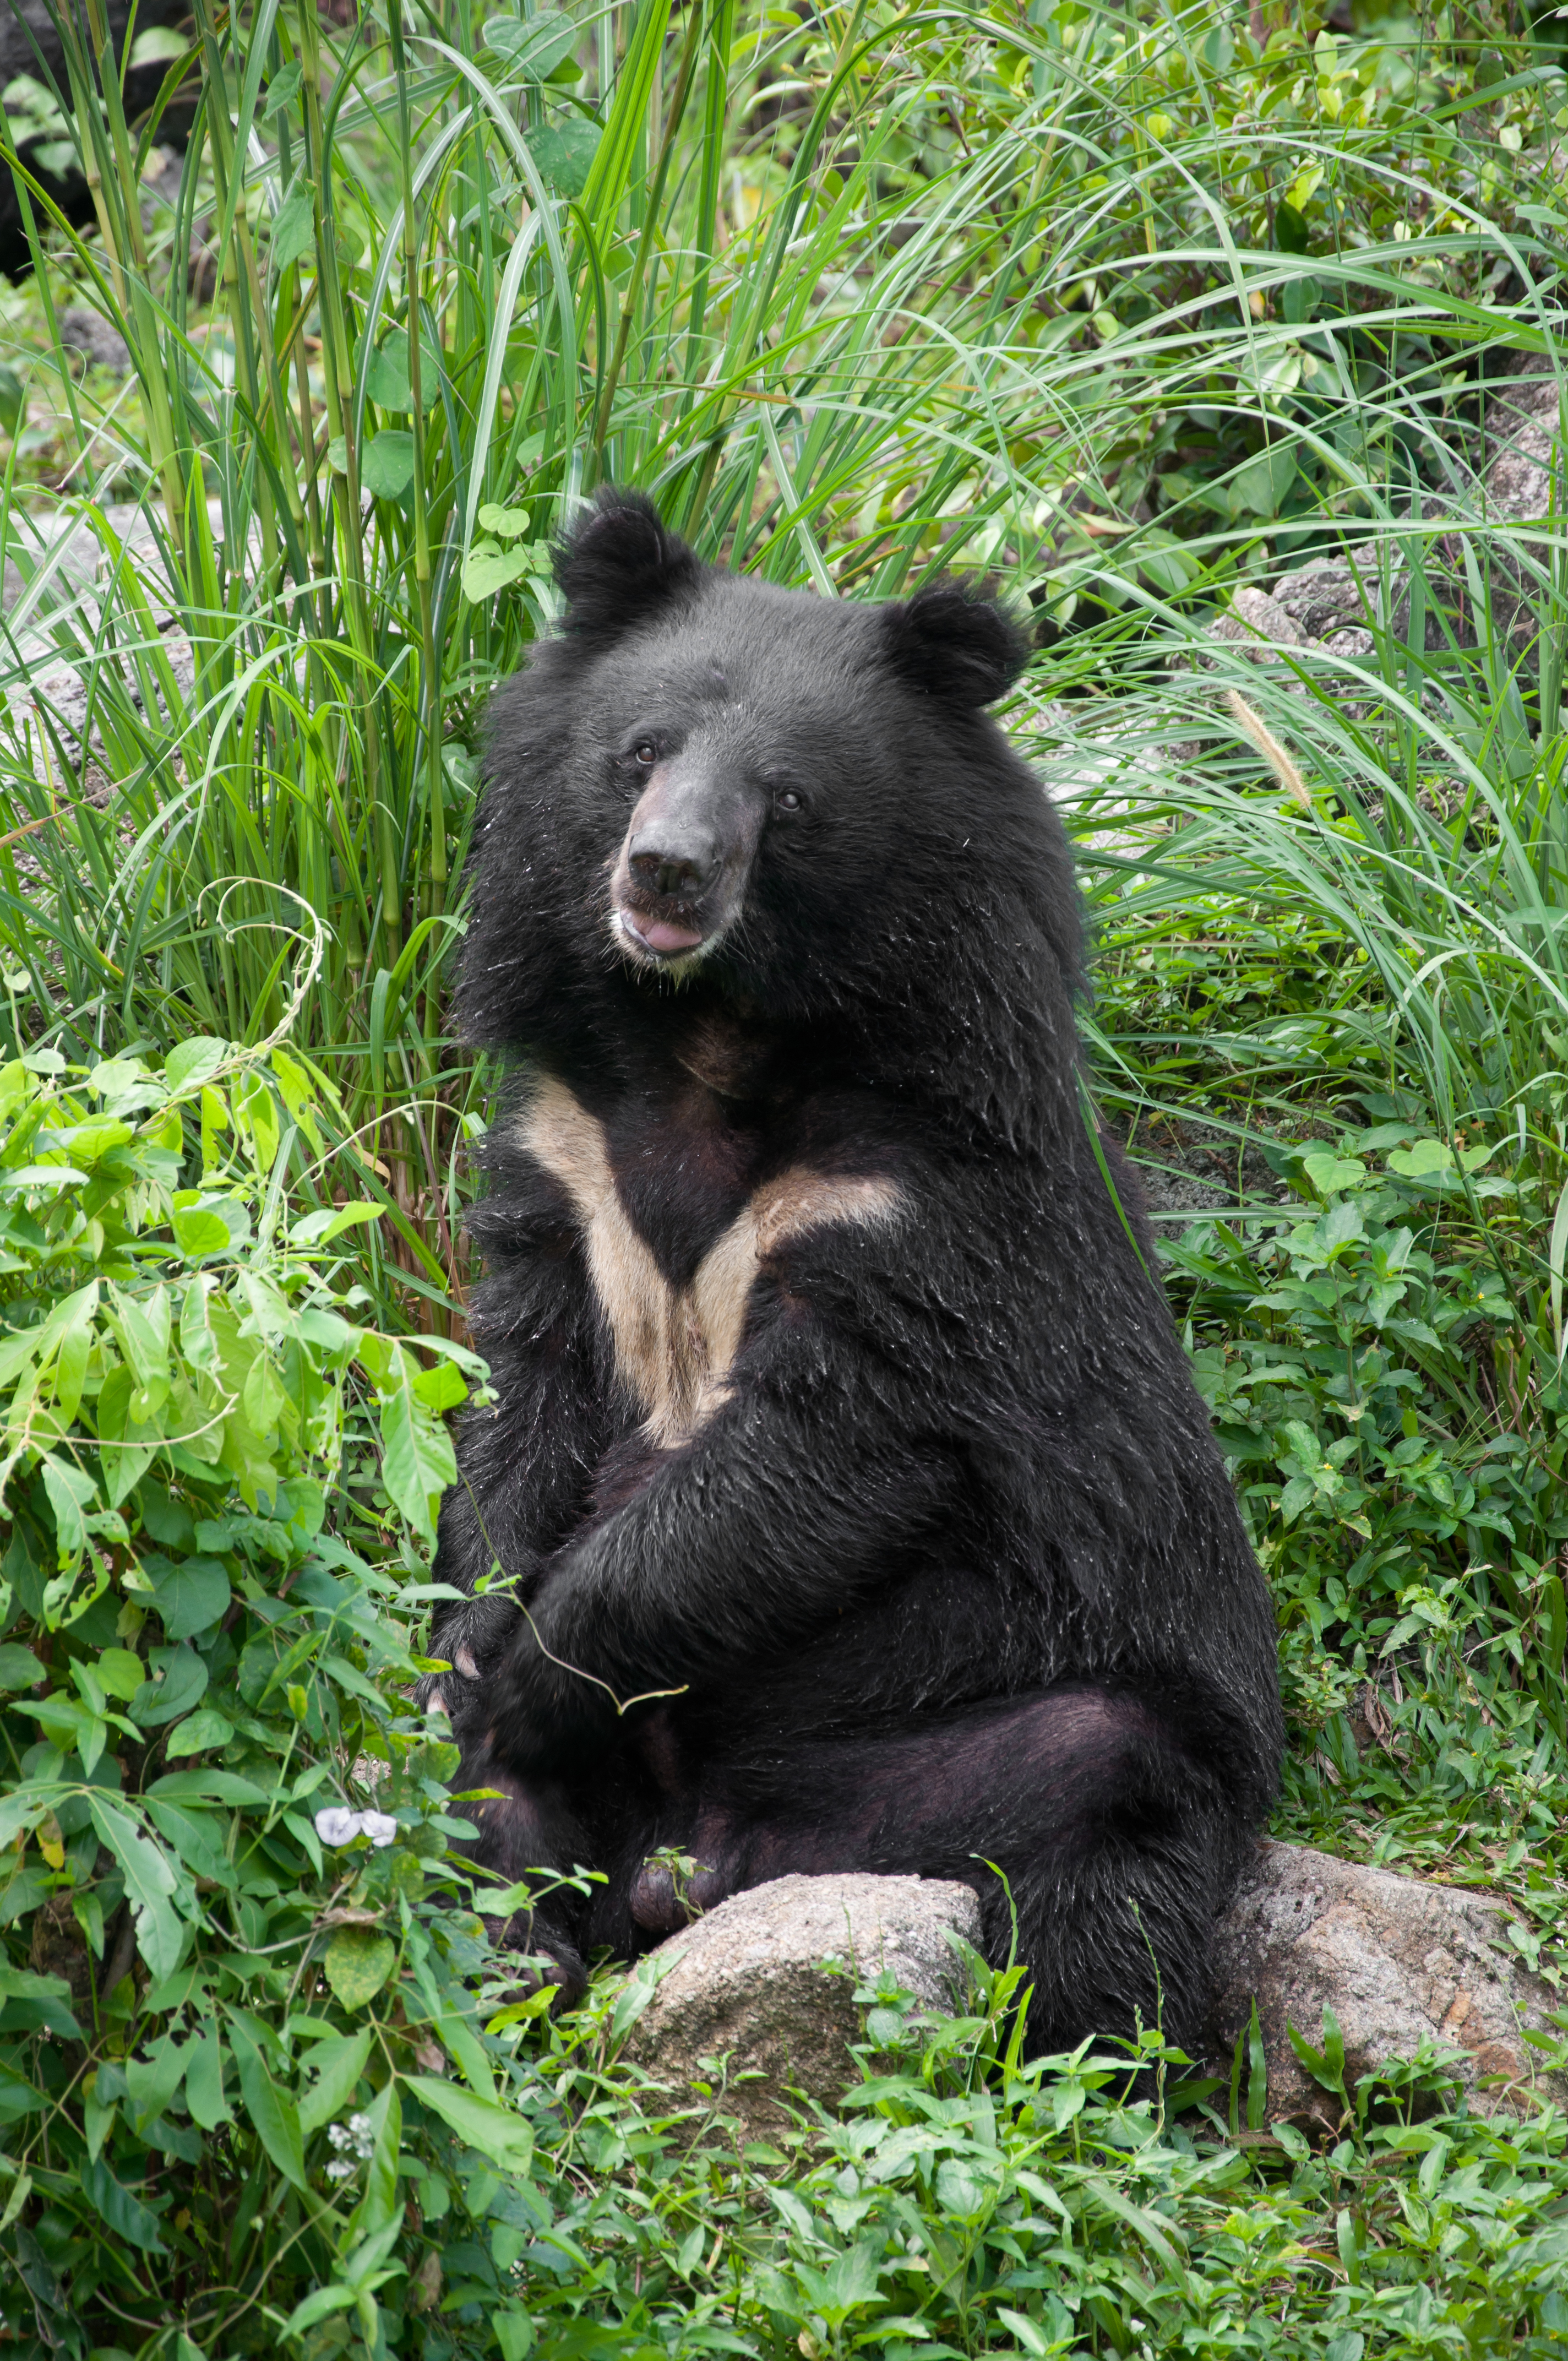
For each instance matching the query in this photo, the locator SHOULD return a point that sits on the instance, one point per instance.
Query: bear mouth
(662, 940)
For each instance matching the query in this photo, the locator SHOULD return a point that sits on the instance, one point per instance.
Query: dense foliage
(1134, 307)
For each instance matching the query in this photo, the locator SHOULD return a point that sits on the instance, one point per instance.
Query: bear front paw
(545, 1956)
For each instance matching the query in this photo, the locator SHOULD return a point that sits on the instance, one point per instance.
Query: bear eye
(788, 801)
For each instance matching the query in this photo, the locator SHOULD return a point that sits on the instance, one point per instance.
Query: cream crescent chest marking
(675, 1345)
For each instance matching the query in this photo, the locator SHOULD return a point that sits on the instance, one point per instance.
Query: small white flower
(338, 1826)
(343, 2170)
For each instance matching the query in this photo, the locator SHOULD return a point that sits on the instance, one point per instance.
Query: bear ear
(619, 565)
(967, 650)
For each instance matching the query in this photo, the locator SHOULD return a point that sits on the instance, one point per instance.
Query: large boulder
(769, 1978)
(1397, 1959)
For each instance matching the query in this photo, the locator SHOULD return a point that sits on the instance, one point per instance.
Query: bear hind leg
(1072, 1809)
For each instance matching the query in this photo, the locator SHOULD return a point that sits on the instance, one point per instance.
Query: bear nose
(679, 860)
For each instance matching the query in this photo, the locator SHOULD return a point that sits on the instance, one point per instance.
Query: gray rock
(1397, 1959)
(769, 1978)
(1522, 428)
(1331, 599)
(1324, 597)
(1259, 625)
(766, 1982)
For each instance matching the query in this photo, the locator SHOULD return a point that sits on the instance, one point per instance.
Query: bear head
(794, 804)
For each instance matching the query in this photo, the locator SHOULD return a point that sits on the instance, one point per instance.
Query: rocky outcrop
(770, 1976)
(1330, 602)
(1397, 1959)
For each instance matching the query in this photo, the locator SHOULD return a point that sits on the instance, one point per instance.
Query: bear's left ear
(618, 567)
(966, 650)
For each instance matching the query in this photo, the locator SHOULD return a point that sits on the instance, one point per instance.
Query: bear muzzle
(680, 877)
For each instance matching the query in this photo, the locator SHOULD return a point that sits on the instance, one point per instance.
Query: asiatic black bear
(843, 1453)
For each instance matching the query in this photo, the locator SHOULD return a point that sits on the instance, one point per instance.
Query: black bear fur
(839, 1418)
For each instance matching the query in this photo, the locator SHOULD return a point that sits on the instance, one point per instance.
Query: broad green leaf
(380, 2206)
(387, 378)
(211, 1786)
(386, 469)
(533, 47)
(262, 1395)
(513, 2332)
(418, 1462)
(318, 2305)
(293, 228)
(193, 1061)
(506, 523)
(1258, 488)
(1329, 1174)
(126, 2217)
(150, 1881)
(505, 2138)
(142, 1324)
(191, 1595)
(19, 1668)
(180, 1677)
(72, 1495)
(358, 1961)
(195, 1838)
(1166, 562)
(66, 1723)
(566, 156)
(337, 2066)
(486, 570)
(89, 1143)
(1420, 1162)
(256, 1116)
(44, 1176)
(1341, 1224)
(25, 1984)
(273, 2114)
(121, 1672)
(319, 1228)
(204, 1730)
(441, 1388)
(153, 2079)
(204, 2093)
(298, 1095)
(198, 1233)
(159, 46)
(281, 91)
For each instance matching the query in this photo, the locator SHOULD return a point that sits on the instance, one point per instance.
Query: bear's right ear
(948, 643)
(618, 566)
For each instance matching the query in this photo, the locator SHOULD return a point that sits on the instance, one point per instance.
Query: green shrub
(207, 1978)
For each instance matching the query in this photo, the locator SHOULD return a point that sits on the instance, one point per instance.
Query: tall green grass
(893, 289)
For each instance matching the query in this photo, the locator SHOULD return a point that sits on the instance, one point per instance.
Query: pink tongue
(661, 937)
